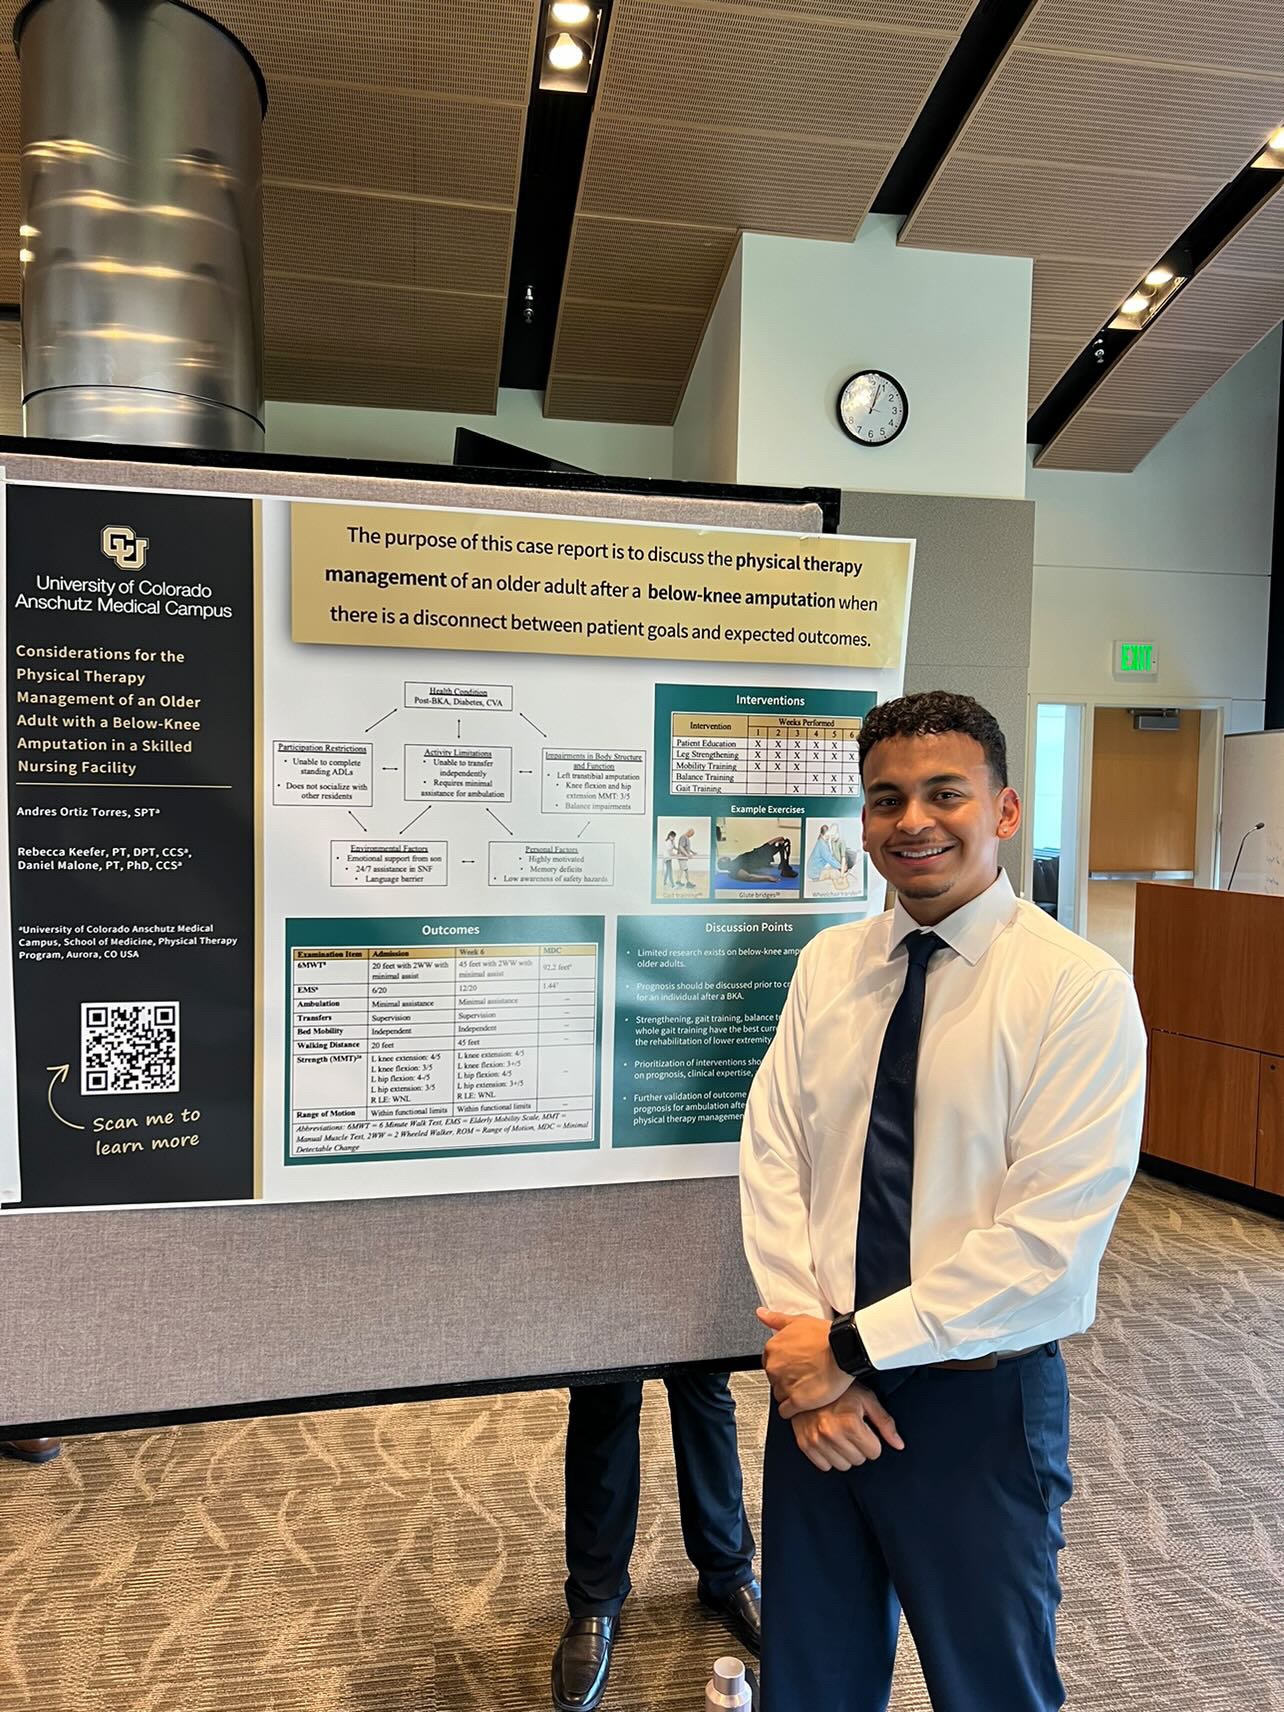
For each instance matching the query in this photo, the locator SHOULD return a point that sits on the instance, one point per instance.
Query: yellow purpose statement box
(381, 576)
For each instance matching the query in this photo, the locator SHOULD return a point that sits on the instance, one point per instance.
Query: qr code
(129, 1048)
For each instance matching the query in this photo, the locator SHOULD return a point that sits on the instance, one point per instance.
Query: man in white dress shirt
(934, 1152)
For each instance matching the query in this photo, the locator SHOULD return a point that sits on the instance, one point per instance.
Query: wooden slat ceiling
(1224, 311)
(10, 214)
(1105, 130)
(10, 380)
(392, 154)
(10, 364)
(715, 117)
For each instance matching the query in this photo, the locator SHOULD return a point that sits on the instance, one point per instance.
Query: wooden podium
(1209, 968)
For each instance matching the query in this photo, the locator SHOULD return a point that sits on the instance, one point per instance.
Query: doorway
(1120, 795)
(1143, 817)
(1055, 830)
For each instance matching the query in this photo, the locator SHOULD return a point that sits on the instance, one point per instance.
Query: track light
(566, 54)
(1145, 301)
(571, 30)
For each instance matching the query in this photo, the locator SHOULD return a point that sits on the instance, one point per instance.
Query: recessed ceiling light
(565, 53)
(1137, 304)
(1160, 276)
(25, 256)
(28, 232)
(570, 13)
(1276, 144)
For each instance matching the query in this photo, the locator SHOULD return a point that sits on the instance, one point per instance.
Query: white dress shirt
(1031, 1082)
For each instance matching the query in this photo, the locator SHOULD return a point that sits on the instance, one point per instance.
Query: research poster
(361, 850)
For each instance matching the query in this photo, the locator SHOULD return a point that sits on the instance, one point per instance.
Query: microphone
(1243, 841)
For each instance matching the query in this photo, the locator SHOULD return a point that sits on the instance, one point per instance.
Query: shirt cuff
(894, 1333)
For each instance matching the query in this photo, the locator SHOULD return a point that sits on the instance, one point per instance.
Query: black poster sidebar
(130, 739)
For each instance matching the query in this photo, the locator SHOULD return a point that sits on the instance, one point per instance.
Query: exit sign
(1136, 660)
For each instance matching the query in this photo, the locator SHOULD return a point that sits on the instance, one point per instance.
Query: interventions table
(397, 1051)
(803, 755)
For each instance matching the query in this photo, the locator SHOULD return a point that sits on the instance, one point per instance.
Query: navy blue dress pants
(960, 1530)
(603, 1485)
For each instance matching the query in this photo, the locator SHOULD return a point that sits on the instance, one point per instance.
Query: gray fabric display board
(108, 1316)
(970, 618)
(111, 1315)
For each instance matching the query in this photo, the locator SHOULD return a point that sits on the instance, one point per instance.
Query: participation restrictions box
(323, 775)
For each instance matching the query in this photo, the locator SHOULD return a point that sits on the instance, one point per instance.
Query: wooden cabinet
(1207, 965)
(1270, 1127)
(1208, 968)
(1204, 1106)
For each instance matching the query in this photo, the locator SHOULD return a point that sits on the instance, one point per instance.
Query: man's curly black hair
(933, 714)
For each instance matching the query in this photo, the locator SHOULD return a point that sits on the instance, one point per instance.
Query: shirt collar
(971, 930)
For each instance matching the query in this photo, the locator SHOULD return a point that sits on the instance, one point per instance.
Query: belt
(980, 1363)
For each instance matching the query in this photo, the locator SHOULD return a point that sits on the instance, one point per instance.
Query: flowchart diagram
(421, 754)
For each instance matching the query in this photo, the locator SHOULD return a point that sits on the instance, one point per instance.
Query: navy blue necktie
(887, 1175)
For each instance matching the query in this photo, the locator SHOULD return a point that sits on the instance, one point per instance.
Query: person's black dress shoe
(582, 1663)
(741, 1611)
(30, 1450)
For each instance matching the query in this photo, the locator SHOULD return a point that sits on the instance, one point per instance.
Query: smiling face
(934, 818)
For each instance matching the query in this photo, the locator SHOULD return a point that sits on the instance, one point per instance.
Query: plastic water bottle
(728, 1687)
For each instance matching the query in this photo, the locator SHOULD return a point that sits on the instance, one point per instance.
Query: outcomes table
(415, 1049)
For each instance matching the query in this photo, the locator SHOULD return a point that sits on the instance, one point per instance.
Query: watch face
(872, 408)
(848, 1346)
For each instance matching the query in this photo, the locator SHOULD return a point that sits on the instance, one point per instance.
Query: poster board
(262, 749)
(200, 1311)
(118, 1317)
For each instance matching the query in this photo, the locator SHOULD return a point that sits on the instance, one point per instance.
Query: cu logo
(128, 550)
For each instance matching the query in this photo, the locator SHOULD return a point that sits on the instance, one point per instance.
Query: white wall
(707, 431)
(428, 437)
(1176, 553)
(953, 329)
(794, 318)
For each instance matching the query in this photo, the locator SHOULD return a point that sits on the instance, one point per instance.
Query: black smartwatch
(848, 1347)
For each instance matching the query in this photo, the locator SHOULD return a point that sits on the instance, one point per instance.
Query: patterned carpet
(408, 1559)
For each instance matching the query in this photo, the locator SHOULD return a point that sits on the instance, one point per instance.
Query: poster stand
(513, 1035)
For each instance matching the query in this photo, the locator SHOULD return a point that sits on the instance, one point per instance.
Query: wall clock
(872, 408)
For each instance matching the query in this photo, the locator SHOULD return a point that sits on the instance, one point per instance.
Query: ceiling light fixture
(1145, 301)
(572, 29)
(566, 54)
(1272, 156)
